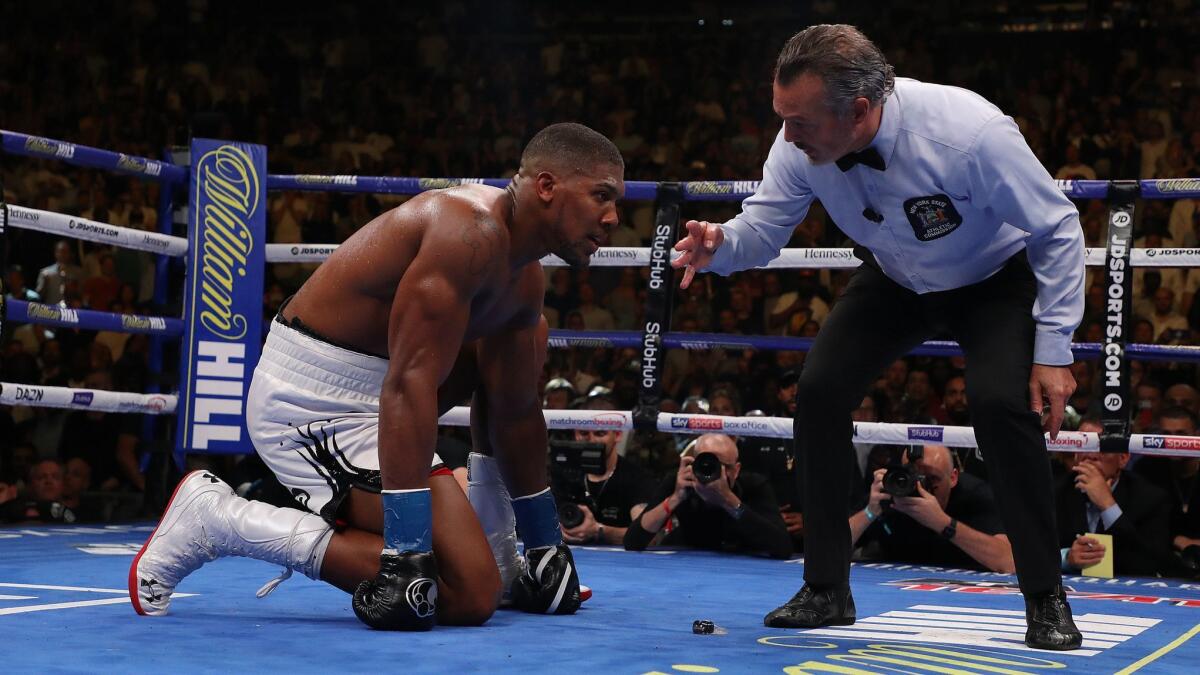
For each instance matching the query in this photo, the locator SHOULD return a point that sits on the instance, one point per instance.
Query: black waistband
(299, 326)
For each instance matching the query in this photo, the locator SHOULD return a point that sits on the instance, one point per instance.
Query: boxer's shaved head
(567, 148)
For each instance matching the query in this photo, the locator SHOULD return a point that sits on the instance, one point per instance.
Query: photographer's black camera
(570, 463)
(706, 468)
(901, 480)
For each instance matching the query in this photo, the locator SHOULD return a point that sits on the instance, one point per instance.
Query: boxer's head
(830, 85)
(575, 176)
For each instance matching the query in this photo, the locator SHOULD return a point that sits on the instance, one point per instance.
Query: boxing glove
(550, 584)
(403, 596)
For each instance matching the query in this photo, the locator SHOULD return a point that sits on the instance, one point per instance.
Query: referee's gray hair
(849, 64)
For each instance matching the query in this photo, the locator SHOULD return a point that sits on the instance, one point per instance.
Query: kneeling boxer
(430, 303)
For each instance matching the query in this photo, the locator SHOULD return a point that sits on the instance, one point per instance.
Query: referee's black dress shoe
(1049, 621)
(813, 607)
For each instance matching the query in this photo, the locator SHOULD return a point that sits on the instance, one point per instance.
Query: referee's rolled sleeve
(1008, 179)
(755, 236)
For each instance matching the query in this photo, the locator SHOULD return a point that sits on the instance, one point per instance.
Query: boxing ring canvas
(64, 608)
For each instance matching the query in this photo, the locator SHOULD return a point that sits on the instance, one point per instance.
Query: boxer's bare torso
(355, 297)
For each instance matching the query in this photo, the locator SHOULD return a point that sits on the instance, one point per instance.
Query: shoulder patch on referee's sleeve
(932, 217)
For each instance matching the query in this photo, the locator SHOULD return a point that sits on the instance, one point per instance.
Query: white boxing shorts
(313, 415)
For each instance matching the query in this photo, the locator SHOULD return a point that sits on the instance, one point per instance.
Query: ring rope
(21, 311)
(789, 258)
(38, 396)
(884, 433)
(94, 230)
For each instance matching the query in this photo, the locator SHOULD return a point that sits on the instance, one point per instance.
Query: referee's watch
(950, 530)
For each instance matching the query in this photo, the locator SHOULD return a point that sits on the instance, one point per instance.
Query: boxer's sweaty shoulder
(349, 298)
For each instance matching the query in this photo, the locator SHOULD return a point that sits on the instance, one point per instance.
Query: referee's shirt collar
(889, 129)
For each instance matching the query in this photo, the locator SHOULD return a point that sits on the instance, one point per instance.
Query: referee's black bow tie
(869, 157)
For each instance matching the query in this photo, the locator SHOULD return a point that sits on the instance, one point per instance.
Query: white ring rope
(93, 230)
(864, 432)
(789, 258)
(37, 396)
(620, 420)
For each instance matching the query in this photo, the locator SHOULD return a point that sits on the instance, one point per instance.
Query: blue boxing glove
(403, 595)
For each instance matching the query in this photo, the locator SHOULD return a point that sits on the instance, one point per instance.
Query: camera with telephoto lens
(901, 480)
(570, 463)
(706, 468)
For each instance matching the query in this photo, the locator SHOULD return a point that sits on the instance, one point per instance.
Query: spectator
(1099, 496)
(952, 521)
(77, 478)
(42, 500)
(1075, 169)
(15, 288)
(735, 512)
(1165, 319)
(1177, 477)
(53, 279)
(595, 317)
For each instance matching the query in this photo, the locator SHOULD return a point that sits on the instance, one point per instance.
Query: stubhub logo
(925, 434)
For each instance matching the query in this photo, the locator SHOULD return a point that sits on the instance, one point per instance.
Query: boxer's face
(809, 123)
(588, 212)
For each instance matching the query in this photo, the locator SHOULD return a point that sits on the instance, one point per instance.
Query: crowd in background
(1112, 92)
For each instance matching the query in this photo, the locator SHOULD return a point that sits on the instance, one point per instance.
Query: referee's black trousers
(878, 321)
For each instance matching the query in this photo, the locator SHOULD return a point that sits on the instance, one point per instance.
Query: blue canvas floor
(64, 608)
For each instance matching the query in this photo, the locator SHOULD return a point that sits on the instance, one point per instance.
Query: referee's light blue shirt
(962, 193)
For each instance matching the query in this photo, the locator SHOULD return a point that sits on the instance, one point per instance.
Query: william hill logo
(51, 313)
(231, 194)
(133, 322)
(313, 179)
(138, 165)
(45, 146)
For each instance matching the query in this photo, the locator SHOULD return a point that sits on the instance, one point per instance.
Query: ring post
(223, 289)
(1118, 284)
(658, 305)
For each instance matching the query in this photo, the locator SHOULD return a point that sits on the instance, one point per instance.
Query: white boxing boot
(206, 520)
(489, 497)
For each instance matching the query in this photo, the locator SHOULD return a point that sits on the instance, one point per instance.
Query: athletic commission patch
(932, 217)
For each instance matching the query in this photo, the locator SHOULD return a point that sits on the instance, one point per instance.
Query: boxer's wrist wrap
(407, 521)
(537, 520)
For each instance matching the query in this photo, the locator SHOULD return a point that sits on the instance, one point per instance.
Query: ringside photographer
(597, 503)
(924, 510)
(710, 503)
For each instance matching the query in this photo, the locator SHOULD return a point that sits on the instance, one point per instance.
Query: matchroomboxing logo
(597, 421)
(153, 404)
(1064, 442)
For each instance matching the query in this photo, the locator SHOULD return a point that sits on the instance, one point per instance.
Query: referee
(959, 228)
